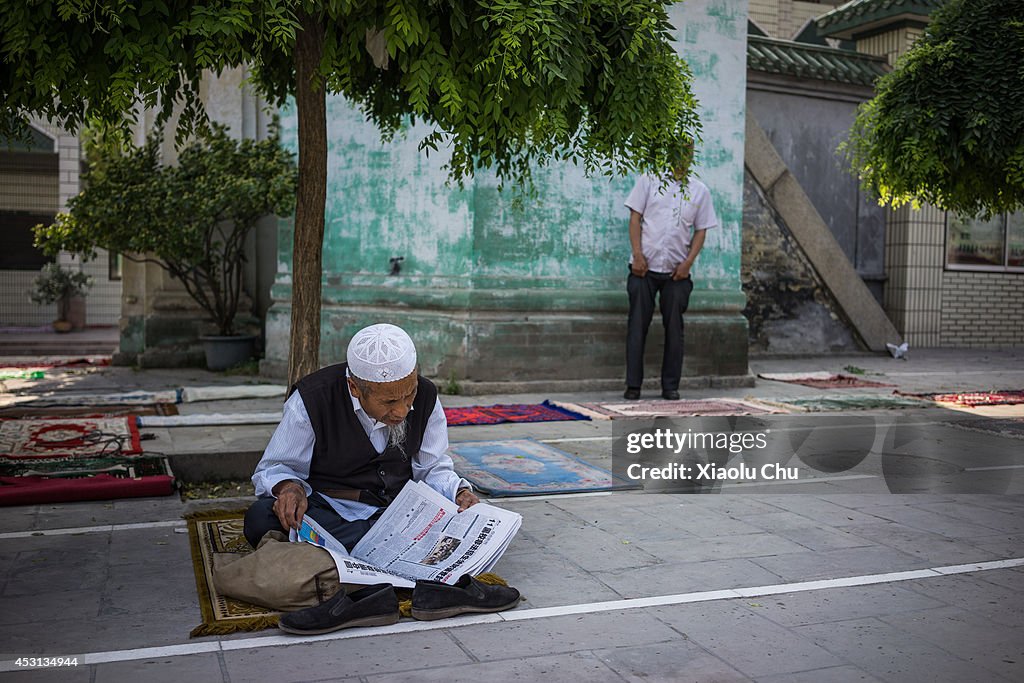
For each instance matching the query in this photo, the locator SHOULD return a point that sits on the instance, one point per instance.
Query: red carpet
(823, 380)
(135, 478)
(60, 460)
(973, 399)
(492, 415)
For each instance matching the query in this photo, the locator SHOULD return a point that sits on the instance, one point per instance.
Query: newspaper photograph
(421, 535)
(350, 570)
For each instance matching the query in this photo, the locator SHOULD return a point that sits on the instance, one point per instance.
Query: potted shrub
(191, 218)
(55, 285)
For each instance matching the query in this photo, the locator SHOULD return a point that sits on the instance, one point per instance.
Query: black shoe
(435, 600)
(632, 394)
(670, 394)
(375, 605)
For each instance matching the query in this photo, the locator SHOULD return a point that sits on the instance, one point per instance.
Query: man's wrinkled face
(387, 402)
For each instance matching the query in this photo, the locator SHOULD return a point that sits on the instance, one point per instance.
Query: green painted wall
(486, 285)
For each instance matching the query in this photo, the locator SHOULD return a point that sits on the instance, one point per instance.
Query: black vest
(343, 457)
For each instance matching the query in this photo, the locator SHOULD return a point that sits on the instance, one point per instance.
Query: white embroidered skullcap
(381, 353)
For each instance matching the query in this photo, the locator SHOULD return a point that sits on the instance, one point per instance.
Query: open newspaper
(421, 535)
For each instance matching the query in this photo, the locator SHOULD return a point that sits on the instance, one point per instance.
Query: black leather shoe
(670, 395)
(632, 394)
(435, 600)
(375, 605)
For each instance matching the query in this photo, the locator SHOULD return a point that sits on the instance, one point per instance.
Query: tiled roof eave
(845, 19)
(788, 58)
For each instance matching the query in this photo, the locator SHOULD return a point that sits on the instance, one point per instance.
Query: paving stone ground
(103, 590)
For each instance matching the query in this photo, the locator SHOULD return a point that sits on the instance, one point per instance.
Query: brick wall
(982, 309)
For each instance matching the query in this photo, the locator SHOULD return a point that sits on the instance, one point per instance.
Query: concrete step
(99, 341)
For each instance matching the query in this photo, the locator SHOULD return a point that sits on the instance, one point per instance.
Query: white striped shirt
(290, 452)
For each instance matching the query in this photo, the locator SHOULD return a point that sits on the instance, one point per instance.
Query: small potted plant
(55, 285)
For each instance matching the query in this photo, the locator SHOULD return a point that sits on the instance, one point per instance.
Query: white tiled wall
(103, 303)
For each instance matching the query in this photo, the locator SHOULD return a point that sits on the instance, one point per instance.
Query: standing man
(667, 220)
(351, 436)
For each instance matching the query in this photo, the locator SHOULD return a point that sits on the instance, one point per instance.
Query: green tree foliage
(192, 218)
(947, 124)
(507, 84)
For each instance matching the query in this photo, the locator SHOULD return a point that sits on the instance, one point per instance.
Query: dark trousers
(673, 298)
(260, 518)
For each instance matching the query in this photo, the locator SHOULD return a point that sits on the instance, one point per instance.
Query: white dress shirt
(290, 452)
(671, 213)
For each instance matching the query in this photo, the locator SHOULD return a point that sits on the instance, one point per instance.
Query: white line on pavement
(998, 467)
(530, 614)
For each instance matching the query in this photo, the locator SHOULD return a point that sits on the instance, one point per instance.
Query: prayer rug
(822, 380)
(216, 538)
(31, 482)
(524, 467)
(682, 408)
(847, 402)
(67, 437)
(67, 459)
(521, 412)
(58, 398)
(973, 399)
(88, 411)
(213, 536)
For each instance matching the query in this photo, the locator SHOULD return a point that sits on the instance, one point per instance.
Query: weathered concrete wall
(789, 309)
(806, 123)
(494, 292)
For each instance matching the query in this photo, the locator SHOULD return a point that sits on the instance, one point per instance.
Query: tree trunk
(311, 197)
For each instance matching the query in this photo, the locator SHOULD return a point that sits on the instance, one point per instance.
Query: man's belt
(342, 494)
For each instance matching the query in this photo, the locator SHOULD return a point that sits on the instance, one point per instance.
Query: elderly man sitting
(351, 437)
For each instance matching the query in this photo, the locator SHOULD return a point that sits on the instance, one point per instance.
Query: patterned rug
(683, 408)
(62, 481)
(524, 467)
(823, 380)
(521, 412)
(212, 536)
(215, 538)
(820, 404)
(973, 399)
(71, 459)
(61, 398)
(88, 411)
(66, 437)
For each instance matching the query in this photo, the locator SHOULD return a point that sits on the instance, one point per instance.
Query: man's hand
(291, 504)
(466, 499)
(682, 271)
(639, 265)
